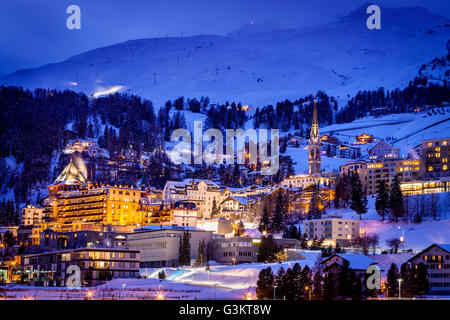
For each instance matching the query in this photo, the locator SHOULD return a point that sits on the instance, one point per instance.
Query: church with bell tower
(314, 145)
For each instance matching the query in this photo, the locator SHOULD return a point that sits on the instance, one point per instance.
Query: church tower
(314, 145)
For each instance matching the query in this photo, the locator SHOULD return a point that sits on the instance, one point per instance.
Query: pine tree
(264, 285)
(317, 292)
(265, 221)
(315, 204)
(280, 283)
(240, 229)
(382, 201)
(267, 249)
(162, 275)
(392, 280)
(184, 250)
(214, 210)
(279, 216)
(359, 199)
(422, 285)
(396, 200)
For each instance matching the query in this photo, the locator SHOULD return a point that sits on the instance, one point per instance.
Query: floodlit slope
(258, 68)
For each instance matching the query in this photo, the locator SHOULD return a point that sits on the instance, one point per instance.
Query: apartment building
(437, 261)
(304, 180)
(332, 230)
(159, 244)
(184, 214)
(32, 215)
(372, 173)
(202, 192)
(383, 150)
(434, 155)
(234, 250)
(97, 265)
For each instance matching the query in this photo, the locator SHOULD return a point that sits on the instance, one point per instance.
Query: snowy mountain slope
(407, 129)
(257, 68)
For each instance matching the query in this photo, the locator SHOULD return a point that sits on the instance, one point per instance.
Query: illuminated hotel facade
(372, 173)
(435, 154)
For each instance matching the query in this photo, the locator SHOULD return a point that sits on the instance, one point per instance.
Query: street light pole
(400, 288)
(274, 288)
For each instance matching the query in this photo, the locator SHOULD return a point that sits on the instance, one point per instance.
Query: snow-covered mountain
(342, 58)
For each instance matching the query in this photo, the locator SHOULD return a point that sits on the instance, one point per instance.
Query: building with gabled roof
(202, 192)
(358, 262)
(436, 259)
(71, 175)
(383, 150)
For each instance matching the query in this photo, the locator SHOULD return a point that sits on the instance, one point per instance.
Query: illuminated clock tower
(314, 145)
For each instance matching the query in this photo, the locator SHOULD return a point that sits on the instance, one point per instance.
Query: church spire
(314, 136)
(314, 145)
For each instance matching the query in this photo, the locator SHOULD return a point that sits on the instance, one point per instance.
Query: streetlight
(89, 294)
(274, 288)
(248, 296)
(400, 288)
(402, 238)
(307, 288)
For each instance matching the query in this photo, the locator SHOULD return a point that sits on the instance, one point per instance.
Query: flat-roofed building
(97, 265)
(159, 244)
(332, 230)
(434, 155)
(234, 250)
(372, 173)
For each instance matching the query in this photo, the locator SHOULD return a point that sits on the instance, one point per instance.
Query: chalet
(358, 262)
(329, 139)
(364, 139)
(234, 207)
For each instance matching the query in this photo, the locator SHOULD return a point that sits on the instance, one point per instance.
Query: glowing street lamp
(402, 238)
(248, 296)
(307, 288)
(89, 294)
(400, 288)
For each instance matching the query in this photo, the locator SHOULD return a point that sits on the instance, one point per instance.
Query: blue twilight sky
(33, 32)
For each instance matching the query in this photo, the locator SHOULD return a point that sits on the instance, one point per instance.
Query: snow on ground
(241, 276)
(408, 129)
(257, 69)
(417, 236)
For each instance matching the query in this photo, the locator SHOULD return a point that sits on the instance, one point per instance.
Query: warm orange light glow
(248, 296)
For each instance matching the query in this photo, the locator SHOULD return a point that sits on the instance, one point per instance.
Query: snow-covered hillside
(257, 68)
(407, 130)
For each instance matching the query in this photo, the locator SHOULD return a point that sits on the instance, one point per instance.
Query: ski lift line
(418, 131)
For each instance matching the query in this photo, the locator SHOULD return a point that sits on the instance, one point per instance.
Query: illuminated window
(430, 144)
(444, 143)
(444, 167)
(430, 168)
